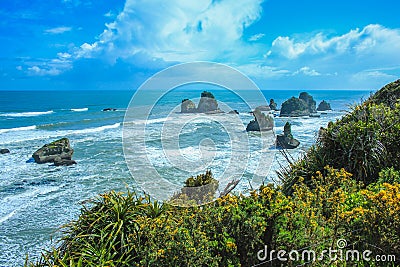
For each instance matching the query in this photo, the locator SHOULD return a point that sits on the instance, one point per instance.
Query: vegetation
(346, 187)
(207, 94)
(197, 190)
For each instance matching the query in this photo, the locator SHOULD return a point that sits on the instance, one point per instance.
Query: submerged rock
(261, 122)
(63, 162)
(57, 149)
(286, 139)
(4, 151)
(323, 106)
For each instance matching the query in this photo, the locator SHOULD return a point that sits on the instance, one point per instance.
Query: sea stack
(207, 104)
(261, 122)
(273, 105)
(310, 102)
(323, 106)
(188, 106)
(286, 139)
(304, 105)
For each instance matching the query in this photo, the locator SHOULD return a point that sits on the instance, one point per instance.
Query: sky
(117, 45)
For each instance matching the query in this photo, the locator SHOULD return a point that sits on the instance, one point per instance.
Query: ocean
(36, 199)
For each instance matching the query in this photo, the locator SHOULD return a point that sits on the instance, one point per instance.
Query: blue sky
(292, 44)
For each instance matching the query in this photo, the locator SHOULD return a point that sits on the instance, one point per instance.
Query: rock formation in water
(59, 149)
(261, 122)
(273, 105)
(207, 104)
(296, 107)
(188, 106)
(323, 106)
(286, 139)
(4, 151)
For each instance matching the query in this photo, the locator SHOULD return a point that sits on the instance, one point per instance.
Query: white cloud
(256, 37)
(49, 67)
(368, 75)
(109, 14)
(58, 30)
(86, 50)
(307, 71)
(178, 31)
(263, 71)
(371, 39)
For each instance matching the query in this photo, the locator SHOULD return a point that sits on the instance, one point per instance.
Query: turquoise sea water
(36, 199)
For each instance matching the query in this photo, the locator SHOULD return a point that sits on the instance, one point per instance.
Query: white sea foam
(26, 114)
(25, 128)
(79, 109)
(8, 216)
(94, 130)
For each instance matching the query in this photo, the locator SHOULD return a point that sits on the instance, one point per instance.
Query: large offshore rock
(207, 103)
(57, 149)
(310, 102)
(294, 107)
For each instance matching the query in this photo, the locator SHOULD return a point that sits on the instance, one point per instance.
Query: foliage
(129, 230)
(197, 190)
(207, 94)
(364, 142)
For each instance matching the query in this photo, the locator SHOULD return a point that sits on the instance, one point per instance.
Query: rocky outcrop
(286, 139)
(310, 102)
(57, 149)
(273, 105)
(323, 106)
(294, 107)
(233, 112)
(4, 151)
(188, 106)
(261, 122)
(207, 104)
